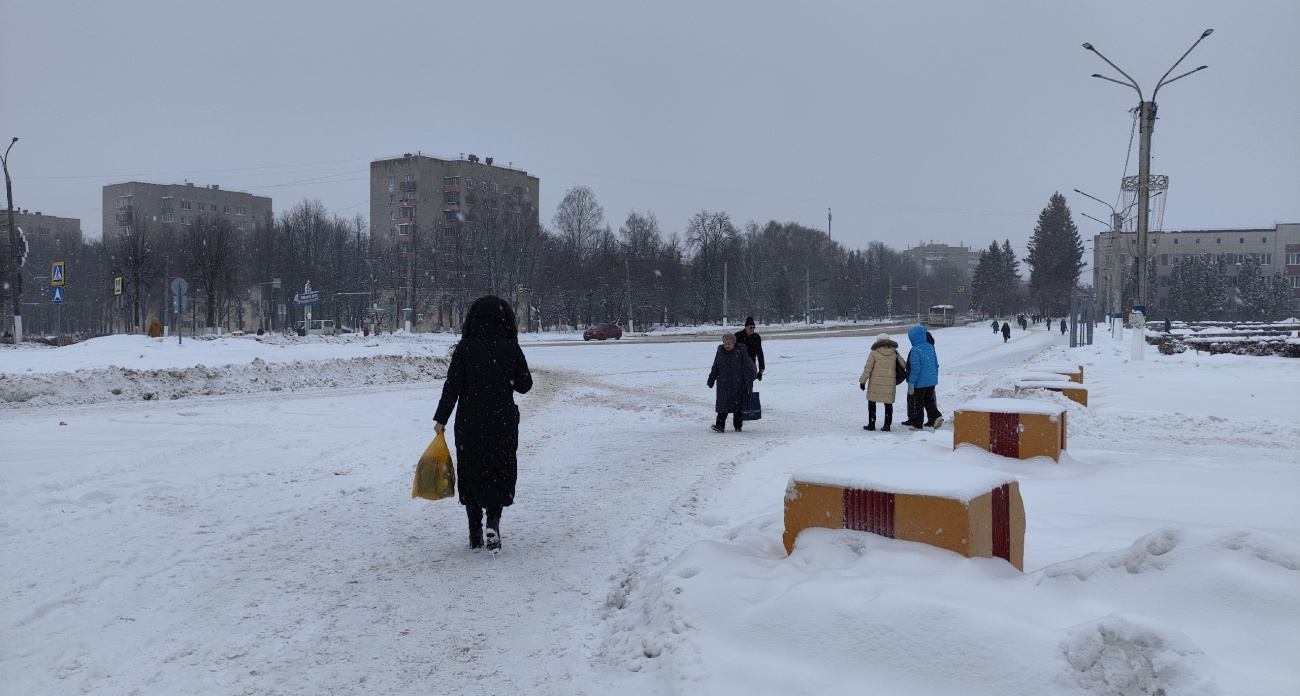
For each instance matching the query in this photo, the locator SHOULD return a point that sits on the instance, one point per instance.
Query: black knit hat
(749, 321)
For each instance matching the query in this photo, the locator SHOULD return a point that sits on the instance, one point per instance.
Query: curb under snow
(100, 385)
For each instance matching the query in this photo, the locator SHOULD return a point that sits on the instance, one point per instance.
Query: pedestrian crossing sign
(56, 273)
(117, 285)
(58, 295)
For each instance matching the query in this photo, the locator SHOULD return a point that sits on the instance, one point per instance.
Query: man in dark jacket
(753, 344)
(733, 372)
(485, 369)
(1006, 332)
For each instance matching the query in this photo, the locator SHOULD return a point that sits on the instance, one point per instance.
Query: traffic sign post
(117, 285)
(180, 302)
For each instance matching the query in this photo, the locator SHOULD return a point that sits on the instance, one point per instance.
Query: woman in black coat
(486, 367)
(733, 371)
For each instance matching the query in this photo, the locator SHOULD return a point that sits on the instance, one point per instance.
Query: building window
(408, 211)
(451, 197)
(1295, 281)
(404, 230)
(1241, 240)
(496, 188)
(185, 219)
(1266, 259)
(1218, 240)
(1175, 240)
(469, 184)
(392, 232)
(450, 180)
(408, 178)
(392, 199)
(241, 225)
(123, 202)
(1198, 240)
(392, 215)
(1293, 259)
(392, 183)
(167, 217)
(186, 205)
(517, 191)
(225, 209)
(239, 210)
(1263, 240)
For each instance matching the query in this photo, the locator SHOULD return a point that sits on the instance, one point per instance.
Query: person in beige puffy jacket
(879, 379)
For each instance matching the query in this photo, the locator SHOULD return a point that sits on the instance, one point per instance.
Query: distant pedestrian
(995, 326)
(753, 344)
(733, 372)
(922, 378)
(880, 380)
(1006, 332)
(486, 367)
(1062, 327)
(1166, 324)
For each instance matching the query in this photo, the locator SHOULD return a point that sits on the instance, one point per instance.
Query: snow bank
(98, 385)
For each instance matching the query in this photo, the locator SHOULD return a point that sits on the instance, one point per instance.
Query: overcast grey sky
(947, 121)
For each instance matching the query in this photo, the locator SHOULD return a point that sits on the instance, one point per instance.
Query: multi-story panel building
(171, 207)
(434, 219)
(49, 238)
(1276, 249)
(948, 270)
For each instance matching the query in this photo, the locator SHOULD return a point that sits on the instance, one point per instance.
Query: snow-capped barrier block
(1017, 428)
(973, 511)
(1074, 372)
(1074, 392)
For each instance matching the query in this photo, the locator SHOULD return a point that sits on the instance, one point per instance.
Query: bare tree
(134, 251)
(212, 252)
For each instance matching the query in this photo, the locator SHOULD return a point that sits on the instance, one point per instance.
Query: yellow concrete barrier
(1075, 372)
(1072, 391)
(1017, 428)
(973, 511)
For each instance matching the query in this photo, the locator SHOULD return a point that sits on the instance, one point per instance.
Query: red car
(601, 332)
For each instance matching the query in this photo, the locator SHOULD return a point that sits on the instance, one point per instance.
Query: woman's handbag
(901, 371)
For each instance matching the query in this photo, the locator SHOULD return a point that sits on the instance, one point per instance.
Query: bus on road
(942, 315)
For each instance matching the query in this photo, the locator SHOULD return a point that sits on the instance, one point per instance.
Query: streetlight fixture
(1147, 119)
(16, 282)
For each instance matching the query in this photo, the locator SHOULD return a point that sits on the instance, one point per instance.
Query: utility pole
(16, 279)
(807, 296)
(627, 276)
(1146, 124)
(828, 222)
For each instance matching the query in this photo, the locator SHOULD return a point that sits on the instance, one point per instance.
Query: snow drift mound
(1133, 655)
(92, 386)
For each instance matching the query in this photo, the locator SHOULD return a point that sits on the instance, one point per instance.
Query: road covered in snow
(254, 540)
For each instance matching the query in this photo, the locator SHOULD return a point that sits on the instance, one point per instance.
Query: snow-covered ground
(264, 542)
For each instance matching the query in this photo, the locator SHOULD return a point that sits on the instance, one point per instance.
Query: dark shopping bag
(753, 408)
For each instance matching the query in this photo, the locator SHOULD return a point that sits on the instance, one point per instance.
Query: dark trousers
(922, 406)
(735, 420)
(475, 515)
(871, 413)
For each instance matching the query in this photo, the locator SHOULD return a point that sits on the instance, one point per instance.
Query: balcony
(408, 185)
(406, 220)
(451, 188)
(124, 217)
(450, 207)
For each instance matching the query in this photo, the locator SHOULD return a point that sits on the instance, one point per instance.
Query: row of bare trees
(578, 271)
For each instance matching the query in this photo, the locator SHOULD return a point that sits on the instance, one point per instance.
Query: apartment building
(1276, 249)
(432, 216)
(170, 207)
(931, 256)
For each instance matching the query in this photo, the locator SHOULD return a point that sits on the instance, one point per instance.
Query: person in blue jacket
(921, 381)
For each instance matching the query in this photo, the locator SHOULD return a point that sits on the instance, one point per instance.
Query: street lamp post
(1147, 122)
(16, 281)
(1113, 272)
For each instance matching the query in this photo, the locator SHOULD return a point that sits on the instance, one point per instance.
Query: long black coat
(484, 370)
(733, 372)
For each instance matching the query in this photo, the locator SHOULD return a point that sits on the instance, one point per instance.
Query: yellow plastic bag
(435, 475)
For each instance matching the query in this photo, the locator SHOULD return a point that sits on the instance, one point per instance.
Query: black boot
(475, 515)
(889, 417)
(493, 530)
(720, 424)
(871, 416)
(737, 421)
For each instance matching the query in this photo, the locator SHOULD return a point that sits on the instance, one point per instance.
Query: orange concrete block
(1075, 372)
(1017, 428)
(1074, 392)
(973, 511)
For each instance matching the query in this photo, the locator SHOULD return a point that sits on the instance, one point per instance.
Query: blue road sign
(305, 299)
(56, 273)
(58, 295)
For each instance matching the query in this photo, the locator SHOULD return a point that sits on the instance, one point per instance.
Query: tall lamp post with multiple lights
(1147, 122)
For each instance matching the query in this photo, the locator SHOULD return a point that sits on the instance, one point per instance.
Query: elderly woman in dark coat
(486, 367)
(733, 371)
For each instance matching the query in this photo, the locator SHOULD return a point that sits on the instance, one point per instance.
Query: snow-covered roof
(905, 476)
(1044, 408)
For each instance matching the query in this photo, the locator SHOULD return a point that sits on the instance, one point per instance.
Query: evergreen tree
(1252, 291)
(1055, 257)
(1279, 300)
(1008, 278)
(996, 281)
(1197, 290)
